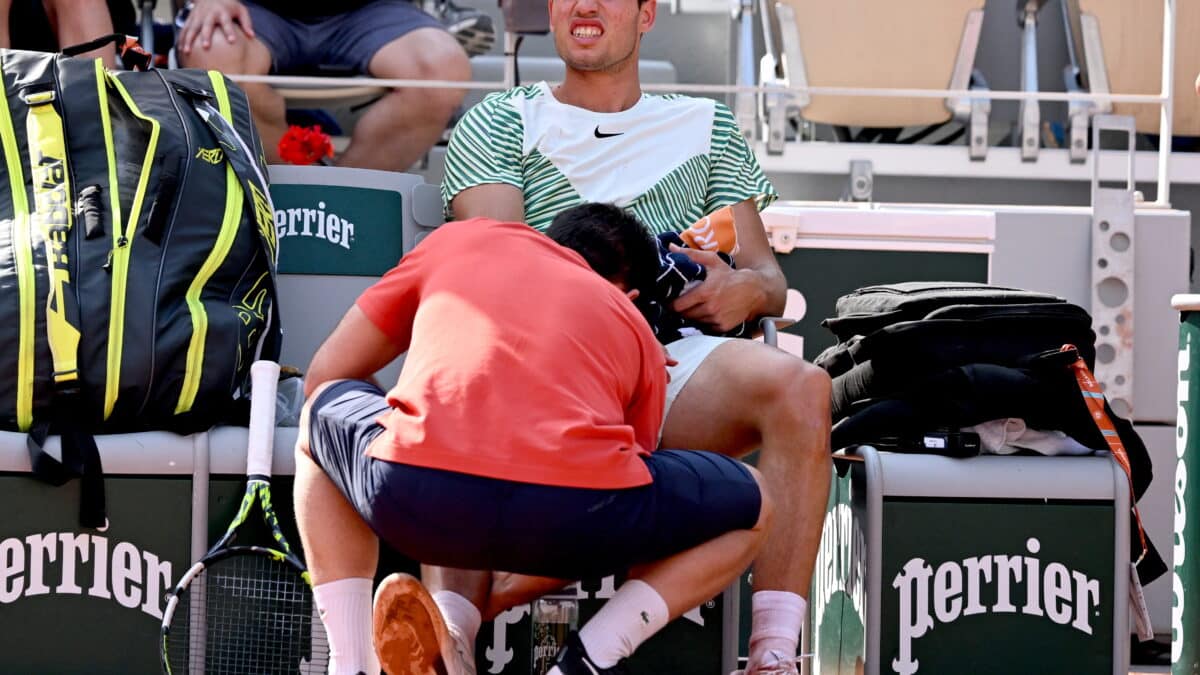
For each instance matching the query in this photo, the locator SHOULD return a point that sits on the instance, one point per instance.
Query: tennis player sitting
(519, 437)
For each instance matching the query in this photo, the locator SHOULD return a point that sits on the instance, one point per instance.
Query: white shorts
(690, 352)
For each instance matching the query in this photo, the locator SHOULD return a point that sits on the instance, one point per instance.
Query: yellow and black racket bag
(137, 255)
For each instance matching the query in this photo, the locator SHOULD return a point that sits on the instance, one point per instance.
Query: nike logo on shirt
(601, 134)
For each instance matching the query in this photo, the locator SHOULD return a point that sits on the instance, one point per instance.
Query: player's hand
(210, 17)
(670, 362)
(726, 298)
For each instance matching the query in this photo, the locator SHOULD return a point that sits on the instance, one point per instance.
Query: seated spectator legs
(398, 129)
(248, 56)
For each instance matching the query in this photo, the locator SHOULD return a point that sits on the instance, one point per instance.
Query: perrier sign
(962, 585)
(334, 229)
(998, 586)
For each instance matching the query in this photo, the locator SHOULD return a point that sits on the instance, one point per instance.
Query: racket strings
(247, 614)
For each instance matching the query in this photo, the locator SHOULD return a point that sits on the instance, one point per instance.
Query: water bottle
(553, 619)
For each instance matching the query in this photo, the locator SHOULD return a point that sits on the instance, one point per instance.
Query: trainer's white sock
(345, 607)
(461, 616)
(777, 618)
(627, 620)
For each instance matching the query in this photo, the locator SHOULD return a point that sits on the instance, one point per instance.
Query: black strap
(254, 185)
(128, 48)
(80, 459)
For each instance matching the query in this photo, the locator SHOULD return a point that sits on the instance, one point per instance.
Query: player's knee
(794, 388)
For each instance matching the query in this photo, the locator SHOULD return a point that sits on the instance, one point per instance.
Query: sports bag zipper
(122, 242)
(170, 226)
(234, 202)
(23, 257)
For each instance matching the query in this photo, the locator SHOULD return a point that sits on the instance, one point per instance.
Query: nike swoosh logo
(601, 134)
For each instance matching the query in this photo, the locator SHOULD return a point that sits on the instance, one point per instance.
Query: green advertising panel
(1185, 580)
(89, 601)
(332, 229)
(837, 607)
(993, 586)
(823, 275)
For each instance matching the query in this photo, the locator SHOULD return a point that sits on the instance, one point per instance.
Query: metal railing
(1164, 99)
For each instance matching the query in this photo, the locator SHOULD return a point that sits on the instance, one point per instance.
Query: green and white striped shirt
(669, 159)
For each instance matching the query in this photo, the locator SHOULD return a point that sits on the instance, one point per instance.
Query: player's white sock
(627, 620)
(461, 616)
(345, 607)
(777, 617)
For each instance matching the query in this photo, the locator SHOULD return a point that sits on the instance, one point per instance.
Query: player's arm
(357, 349)
(729, 296)
(500, 201)
(482, 176)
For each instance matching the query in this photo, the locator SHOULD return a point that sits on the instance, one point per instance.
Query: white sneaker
(778, 664)
(464, 653)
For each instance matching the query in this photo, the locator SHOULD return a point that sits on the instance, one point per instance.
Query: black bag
(140, 255)
(892, 336)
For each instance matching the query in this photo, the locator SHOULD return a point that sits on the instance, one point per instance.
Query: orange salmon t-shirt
(523, 364)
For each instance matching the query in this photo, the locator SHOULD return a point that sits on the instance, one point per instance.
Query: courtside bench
(992, 564)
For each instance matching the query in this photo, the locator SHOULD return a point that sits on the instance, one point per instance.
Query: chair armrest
(770, 326)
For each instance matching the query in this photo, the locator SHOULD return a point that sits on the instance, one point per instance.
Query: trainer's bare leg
(399, 129)
(661, 591)
(342, 553)
(747, 395)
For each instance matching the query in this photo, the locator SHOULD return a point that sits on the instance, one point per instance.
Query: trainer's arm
(730, 296)
(356, 350)
(499, 201)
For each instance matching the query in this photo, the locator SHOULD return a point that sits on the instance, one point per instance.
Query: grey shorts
(347, 40)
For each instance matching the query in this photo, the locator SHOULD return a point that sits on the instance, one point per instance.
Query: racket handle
(264, 378)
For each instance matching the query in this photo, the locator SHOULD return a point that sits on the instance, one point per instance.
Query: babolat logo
(62, 563)
(302, 222)
(210, 155)
(955, 589)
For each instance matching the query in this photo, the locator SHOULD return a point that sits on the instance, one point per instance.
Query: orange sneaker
(409, 633)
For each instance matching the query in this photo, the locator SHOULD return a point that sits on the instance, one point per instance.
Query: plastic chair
(873, 44)
(1116, 46)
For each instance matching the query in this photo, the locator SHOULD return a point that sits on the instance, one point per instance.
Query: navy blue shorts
(347, 40)
(471, 522)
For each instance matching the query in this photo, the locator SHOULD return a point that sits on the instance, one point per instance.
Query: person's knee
(427, 55)
(439, 57)
(227, 57)
(793, 388)
(303, 446)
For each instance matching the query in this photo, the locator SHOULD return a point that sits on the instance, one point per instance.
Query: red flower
(305, 145)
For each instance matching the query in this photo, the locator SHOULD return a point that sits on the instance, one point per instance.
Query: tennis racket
(244, 608)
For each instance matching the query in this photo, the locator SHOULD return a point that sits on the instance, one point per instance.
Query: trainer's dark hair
(612, 241)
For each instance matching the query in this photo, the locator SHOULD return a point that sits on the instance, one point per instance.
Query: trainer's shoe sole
(409, 633)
